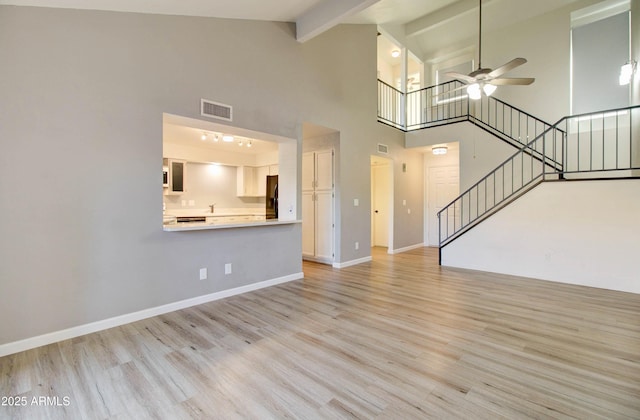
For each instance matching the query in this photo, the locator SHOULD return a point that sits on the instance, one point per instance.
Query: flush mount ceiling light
(439, 150)
(395, 53)
(227, 138)
(626, 72)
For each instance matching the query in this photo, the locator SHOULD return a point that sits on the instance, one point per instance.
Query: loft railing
(447, 103)
(595, 145)
(436, 105)
(390, 105)
(603, 144)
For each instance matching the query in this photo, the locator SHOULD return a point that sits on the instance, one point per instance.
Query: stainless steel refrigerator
(271, 201)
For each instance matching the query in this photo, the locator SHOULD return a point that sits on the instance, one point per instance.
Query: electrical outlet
(192, 203)
(227, 268)
(357, 245)
(184, 203)
(404, 202)
(356, 202)
(408, 211)
(203, 274)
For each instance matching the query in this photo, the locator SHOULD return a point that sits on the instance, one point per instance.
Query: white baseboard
(352, 262)
(405, 249)
(54, 337)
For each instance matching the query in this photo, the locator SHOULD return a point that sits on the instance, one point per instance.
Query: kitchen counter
(224, 212)
(181, 227)
(223, 218)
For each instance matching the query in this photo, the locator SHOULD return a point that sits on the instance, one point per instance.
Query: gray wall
(599, 49)
(83, 93)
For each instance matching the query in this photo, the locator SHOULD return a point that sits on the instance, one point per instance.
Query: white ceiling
(427, 27)
(192, 137)
(272, 10)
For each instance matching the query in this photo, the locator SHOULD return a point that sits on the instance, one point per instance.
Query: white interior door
(381, 183)
(444, 186)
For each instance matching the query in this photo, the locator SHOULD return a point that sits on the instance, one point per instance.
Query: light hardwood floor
(397, 338)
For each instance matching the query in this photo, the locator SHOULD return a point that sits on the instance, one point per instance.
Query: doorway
(442, 185)
(381, 202)
(443, 188)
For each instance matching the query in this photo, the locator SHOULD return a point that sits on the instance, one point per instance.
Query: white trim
(405, 249)
(352, 262)
(599, 11)
(54, 337)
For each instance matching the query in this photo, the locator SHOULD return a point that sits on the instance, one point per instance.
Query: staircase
(604, 144)
(597, 145)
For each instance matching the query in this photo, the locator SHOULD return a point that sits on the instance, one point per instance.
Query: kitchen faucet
(212, 207)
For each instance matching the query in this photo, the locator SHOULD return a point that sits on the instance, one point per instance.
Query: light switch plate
(356, 202)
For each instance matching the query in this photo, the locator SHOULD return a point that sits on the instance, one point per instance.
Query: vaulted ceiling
(427, 27)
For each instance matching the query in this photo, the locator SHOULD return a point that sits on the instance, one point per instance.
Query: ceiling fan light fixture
(474, 92)
(488, 89)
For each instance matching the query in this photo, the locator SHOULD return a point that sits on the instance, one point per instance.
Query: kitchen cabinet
(177, 176)
(247, 185)
(318, 206)
(261, 180)
(252, 180)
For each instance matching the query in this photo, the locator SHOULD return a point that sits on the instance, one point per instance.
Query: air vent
(383, 148)
(216, 110)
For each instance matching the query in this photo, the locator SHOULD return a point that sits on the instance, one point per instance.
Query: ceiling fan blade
(507, 67)
(505, 81)
(450, 91)
(465, 78)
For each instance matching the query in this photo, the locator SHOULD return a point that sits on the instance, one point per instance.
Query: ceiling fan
(487, 80)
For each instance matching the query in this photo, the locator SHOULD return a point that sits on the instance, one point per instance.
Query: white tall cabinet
(317, 206)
